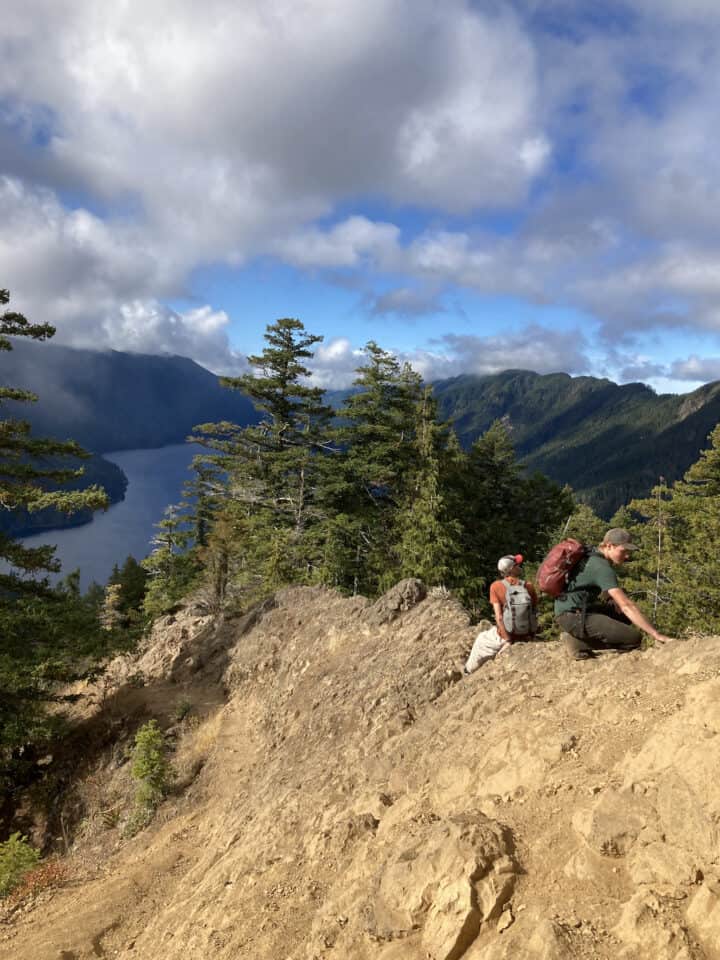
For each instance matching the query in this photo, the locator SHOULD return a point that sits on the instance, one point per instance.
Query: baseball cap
(505, 564)
(619, 537)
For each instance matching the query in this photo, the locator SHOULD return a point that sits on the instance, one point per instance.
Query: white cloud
(141, 141)
(188, 135)
(344, 245)
(532, 348)
(696, 368)
(335, 363)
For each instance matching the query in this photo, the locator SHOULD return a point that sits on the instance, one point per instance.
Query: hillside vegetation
(117, 401)
(97, 471)
(610, 443)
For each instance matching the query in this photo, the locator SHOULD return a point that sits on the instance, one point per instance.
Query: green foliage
(150, 768)
(373, 476)
(609, 442)
(171, 568)
(584, 525)
(17, 858)
(264, 482)
(122, 603)
(48, 635)
(384, 492)
(429, 537)
(502, 509)
(676, 574)
(182, 709)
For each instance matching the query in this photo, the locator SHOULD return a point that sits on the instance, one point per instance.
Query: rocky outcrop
(360, 800)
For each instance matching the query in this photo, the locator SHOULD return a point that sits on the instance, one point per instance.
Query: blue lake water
(155, 480)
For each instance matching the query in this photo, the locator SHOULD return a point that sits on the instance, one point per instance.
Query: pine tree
(429, 539)
(171, 567)
(502, 511)
(648, 578)
(374, 475)
(48, 635)
(681, 527)
(274, 468)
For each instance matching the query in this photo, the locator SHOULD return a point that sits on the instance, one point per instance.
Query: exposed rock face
(360, 802)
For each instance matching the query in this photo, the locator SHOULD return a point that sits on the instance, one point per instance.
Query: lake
(155, 480)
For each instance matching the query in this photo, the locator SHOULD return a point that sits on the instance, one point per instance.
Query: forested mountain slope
(609, 442)
(357, 798)
(117, 401)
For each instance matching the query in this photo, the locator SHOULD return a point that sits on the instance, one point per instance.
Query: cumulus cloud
(335, 363)
(228, 134)
(532, 348)
(139, 142)
(345, 244)
(696, 368)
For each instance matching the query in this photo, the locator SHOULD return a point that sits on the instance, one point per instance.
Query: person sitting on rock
(514, 602)
(587, 619)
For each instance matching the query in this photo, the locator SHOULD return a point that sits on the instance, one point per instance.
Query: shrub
(17, 858)
(150, 767)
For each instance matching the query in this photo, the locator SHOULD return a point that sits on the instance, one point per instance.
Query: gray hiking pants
(601, 629)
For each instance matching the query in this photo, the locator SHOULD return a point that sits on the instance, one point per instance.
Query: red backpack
(554, 573)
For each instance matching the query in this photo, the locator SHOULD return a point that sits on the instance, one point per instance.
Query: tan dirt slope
(361, 801)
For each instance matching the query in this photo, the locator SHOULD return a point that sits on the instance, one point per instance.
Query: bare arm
(497, 607)
(625, 605)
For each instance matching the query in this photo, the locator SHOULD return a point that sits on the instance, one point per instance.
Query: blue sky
(475, 186)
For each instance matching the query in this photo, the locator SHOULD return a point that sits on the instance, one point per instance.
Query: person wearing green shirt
(588, 623)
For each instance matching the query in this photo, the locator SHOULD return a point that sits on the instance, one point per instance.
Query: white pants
(487, 645)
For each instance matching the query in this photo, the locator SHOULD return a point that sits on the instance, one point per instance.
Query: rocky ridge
(358, 798)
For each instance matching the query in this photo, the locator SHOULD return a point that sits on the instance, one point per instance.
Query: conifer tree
(502, 511)
(429, 538)
(680, 528)
(274, 468)
(648, 578)
(374, 474)
(171, 567)
(47, 635)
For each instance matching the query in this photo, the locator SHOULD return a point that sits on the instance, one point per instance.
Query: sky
(475, 186)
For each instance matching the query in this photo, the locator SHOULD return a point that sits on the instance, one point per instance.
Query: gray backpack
(518, 613)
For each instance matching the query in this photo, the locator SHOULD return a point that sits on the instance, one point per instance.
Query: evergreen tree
(373, 477)
(47, 635)
(111, 615)
(171, 568)
(429, 539)
(583, 524)
(648, 578)
(679, 526)
(274, 468)
(502, 511)
(133, 581)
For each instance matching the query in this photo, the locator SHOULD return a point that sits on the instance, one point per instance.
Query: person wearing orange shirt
(524, 603)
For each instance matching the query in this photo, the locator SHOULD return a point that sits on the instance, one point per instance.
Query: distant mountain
(97, 471)
(110, 401)
(610, 443)
(116, 401)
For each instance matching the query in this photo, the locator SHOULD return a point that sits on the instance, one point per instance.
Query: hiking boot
(576, 648)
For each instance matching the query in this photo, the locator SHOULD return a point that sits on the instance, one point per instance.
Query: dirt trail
(360, 800)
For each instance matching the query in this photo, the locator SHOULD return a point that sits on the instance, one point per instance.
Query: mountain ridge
(610, 442)
(102, 399)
